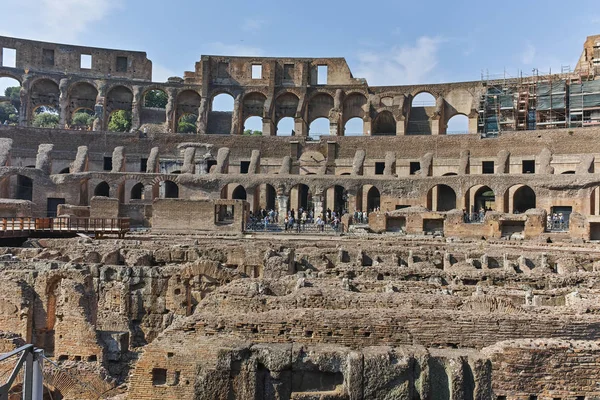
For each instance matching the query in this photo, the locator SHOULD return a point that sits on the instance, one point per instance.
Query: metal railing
(33, 386)
(10, 226)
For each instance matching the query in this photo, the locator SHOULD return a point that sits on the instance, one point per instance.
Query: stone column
(170, 111)
(63, 103)
(99, 123)
(135, 108)
(435, 126)
(300, 127)
(400, 129)
(268, 128)
(149, 193)
(236, 129)
(367, 127)
(282, 202)
(250, 199)
(473, 118)
(24, 97)
(201, 122)
(318, 205)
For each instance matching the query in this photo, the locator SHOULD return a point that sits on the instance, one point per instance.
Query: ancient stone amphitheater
(145, 247)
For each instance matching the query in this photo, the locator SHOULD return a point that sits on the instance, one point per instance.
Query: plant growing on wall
(120, 121)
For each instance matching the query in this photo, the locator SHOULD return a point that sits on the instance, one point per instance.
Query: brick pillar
(300, 127)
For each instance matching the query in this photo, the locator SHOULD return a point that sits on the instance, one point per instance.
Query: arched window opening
(24, 188)
(187, 123)
(221, 114)
(319, 127)
(83, 119)
(170, 190)
(239, 193)
(419, 121)
(523, 199)
(45, 117)
(119, 121)
(354, 127)
(82, 103)
(223, 102)
(441, 198)
(285, 127)
(65, 171)
(373, 199)
(156, 98)
(423, 99)
(44, 95)
(384, 124)
(459, 124)
(300, 199)
(480, 199)
(568, 173)
(137, 191)
(253, 126)
(10, 101)
(102, 189)
(336, 199)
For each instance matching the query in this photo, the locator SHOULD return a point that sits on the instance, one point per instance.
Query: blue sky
(386, 42)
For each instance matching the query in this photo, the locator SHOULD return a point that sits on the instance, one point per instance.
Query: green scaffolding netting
(551, 102)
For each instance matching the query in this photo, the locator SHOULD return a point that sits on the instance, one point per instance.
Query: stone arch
(354, 127)
(519, 199)
(44, 98)
(265, 196)
(253, 124)
(16, 186)
(480, 196)
(354, 107)
(168, 190)
(319, 127)
(319, 106)
(154, 107)
(102, 189)
(286, 105)
(285, 127)
(253, 105)
(384, 124)
(220, 117)
(441, 198)
(335, 198)
(119, 98)
(137, 191)
(300, 197)
(10, 111)
(188, 103)
(457, 124)
(373, 199)
(422, 106)
(82, 96)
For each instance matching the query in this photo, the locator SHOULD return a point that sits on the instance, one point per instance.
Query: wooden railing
(18, 225)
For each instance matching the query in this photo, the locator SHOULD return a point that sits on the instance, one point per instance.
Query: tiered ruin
(460, 283)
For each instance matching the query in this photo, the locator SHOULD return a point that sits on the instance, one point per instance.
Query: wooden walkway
(25, 227)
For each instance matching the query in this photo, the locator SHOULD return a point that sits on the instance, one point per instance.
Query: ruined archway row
(107, 105)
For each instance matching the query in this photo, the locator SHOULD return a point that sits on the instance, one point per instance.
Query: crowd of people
(475, 216)
(556, 222)
(300, 220)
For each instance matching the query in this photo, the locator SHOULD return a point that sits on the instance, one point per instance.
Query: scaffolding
(584, 103)
(538, 101)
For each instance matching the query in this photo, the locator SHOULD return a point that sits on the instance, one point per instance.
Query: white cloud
(253, 24)
(401, 64)
(220, 48)
(528, 54)
(53, 20)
